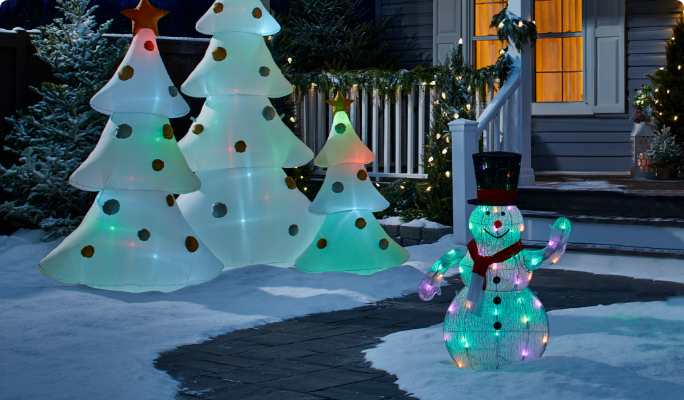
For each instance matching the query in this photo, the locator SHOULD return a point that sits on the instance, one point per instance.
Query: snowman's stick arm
(430, 285)
(536, 259)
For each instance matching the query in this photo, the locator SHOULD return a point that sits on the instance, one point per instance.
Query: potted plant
(665, 154)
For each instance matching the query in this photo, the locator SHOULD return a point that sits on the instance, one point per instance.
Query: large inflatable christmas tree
(351, 239)
(134, 238)
(248, 211)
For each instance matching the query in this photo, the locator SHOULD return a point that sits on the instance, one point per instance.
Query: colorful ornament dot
(256, 13)
(111, 207)
(293, 230)
(167, 131)
(340, 128)
(384, 244)
(497, 325)
(290, 182)
(149, 46)
(198, 129)
(264, 71)
(219, 54)
(126, 73)
(337, 187)
(269, 113)
(240, 146)
(157, 165)
(322, 243)
(218, 8)
(360, 223)
(170, 200)
(362, 175)
(144, 235)
(88, 251)
(124, 131)
(191, 244)
(219, 210)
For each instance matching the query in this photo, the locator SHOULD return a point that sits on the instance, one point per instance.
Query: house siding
(412, 30)
(563, 143)
(602, 142)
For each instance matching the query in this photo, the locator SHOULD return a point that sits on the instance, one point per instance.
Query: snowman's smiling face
(496, 227)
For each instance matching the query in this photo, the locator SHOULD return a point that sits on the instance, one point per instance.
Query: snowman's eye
(503, 213)
(488, 212)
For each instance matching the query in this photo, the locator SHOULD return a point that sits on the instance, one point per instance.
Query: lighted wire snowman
(496, 320)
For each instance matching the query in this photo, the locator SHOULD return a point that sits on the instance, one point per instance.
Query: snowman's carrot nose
(497, 224)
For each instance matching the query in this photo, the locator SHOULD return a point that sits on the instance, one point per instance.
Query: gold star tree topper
(340, 103)
(145, 15)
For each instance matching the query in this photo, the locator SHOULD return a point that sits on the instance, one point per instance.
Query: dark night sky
(180, 22)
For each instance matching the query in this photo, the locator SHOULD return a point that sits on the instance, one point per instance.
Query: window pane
(484, 11)
(548, 15)
(573, 54)
(549, 55)
(486, 52)
(549, 86)
(572, 15)
(573, 86)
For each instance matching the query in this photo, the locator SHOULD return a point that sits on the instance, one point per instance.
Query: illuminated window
(559, 74)
(486, 46)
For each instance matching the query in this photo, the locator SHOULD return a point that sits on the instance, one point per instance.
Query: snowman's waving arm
(430, 285)
(536, 259)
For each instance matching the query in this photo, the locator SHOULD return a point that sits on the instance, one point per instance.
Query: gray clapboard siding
(636, 60)
(584, 164)
(412, 30)
(663, 33)
(640, 72)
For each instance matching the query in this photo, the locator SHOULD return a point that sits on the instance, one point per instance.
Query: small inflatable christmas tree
(351, 239)
(134, 238)
(248, 211)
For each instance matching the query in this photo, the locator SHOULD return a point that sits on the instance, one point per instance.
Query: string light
(432, 83)
(377, 184)
(502, 52)
(401, 187)
(460, 41)
(289, 60)
(501, 25)
(456, 116)
(292, 119)
(439, 136)
(468, 107)
(447, 139)
(445, 150)
(428, 189)
(448, 174)
(444, 96)
(520, 24)
(430, 159)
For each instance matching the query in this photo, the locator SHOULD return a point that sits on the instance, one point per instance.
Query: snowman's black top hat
(496, 174)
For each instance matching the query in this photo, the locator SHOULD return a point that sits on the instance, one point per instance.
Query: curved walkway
(320, 355)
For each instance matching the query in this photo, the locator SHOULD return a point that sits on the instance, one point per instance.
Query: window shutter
(606, 37)
(447, 27)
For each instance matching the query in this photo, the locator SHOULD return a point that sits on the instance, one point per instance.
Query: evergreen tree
(434, 197)
(664, 151)
(56, 135)
(669, 84)
(333, 35)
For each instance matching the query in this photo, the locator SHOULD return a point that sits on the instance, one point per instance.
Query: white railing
(394, 129)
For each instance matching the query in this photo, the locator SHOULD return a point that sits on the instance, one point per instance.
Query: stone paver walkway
(320, 355)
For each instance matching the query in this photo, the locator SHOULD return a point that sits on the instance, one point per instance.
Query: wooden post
(463, 146)
(522, 99)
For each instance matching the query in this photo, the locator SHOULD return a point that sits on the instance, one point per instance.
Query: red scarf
(481, 264)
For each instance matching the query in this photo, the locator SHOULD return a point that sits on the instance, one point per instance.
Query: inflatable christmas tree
(134, 238)
(248, 211)
(351, 239)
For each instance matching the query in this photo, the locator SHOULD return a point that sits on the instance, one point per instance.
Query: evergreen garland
(510, 27)
(56, 135)
(669, 84)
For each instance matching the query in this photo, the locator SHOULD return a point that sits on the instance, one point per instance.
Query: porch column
(463, 146)
(521, 101)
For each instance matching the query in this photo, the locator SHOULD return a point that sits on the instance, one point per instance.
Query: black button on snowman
(496, 320)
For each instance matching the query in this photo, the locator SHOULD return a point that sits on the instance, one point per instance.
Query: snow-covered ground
(61, 341)
(622, 351)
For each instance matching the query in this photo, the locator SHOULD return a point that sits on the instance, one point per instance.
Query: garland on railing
(514, 29)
